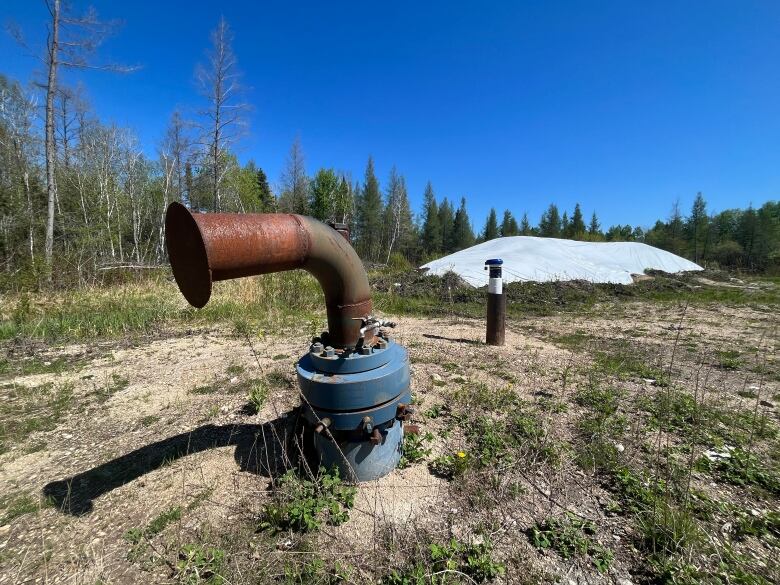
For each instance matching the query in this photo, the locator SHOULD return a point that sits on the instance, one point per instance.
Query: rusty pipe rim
(187, 254)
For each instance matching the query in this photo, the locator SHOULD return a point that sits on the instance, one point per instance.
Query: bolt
(322, 425)
(316, 348)
(368, 424)
(382, 343)
(329, 351)
(376, 437)
(365, 350)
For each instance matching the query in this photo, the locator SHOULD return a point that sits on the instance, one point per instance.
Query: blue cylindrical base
(362, 460)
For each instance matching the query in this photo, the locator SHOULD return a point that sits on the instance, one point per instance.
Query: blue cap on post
(494, 262)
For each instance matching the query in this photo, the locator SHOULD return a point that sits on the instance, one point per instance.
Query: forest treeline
(79, 196)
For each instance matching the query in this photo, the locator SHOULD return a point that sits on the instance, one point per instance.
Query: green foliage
(415, 449)
(442, 559)
(200, 565)
(304, 504)
(450, 466)
(314, 571)
(571, 536)
(258, 394)
(743, 468)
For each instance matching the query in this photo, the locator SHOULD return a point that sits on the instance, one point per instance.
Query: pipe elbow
(206, 247)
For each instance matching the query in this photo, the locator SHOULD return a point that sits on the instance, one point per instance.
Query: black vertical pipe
(496, 303)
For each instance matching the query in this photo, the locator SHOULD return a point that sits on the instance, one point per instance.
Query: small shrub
(414, 449)
(475, 561)
(450, 466)
(571, 536)
(303, 504)
(200, 565)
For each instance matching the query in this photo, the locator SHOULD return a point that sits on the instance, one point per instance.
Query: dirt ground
(163, 422)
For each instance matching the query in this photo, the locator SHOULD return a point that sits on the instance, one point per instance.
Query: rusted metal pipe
(207, 247)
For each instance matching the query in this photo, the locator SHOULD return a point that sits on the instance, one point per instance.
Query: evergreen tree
(447, 224)
(267, 201)
(491, 226)
(369, 216)
(550, 224)
(525, 226)
(509, 225)
(696, 228)
(577, 225)
(324, 194)
(431, 228)
(595, 227)
(565, 233)
(463, 236)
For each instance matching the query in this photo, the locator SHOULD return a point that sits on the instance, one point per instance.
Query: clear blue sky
(621, 105)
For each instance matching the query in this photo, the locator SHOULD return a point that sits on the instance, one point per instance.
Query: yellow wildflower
(461, 454)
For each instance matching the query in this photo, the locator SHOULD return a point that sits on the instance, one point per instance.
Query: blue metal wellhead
(356, 401)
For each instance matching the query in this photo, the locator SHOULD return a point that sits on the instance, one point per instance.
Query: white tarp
(549, 259)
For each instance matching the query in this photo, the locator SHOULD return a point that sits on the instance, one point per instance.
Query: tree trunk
(51, 89)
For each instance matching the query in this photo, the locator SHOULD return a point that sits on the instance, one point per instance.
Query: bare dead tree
(294, 182)
(70, 43)
(218, 81)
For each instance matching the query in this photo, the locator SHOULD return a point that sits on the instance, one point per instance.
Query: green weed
(415, 449)
(571, 536)
(441, 560)
(304, 504)
(200, 565)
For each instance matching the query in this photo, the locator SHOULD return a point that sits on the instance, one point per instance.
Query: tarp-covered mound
(549, 259)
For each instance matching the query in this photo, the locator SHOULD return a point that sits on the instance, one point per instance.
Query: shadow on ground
(453, 339)
(263, 449)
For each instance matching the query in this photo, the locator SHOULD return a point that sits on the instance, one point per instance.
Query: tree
(224, 114)
(344, 201)
(369, 216)
(577, 225)
(71, 42)
(324, 194)
(525, 226)
(696, 227)
(490, 232)
(398, 216)
(550, 224)
(509, 225)
(447, 224)
(565, 233)
(295, 186)
(431, 228)
(595, 227)
(266, 199)
(17, 115)
(463, 235)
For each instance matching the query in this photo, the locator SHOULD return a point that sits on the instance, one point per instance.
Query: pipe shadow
(263, 449)
(454, 339)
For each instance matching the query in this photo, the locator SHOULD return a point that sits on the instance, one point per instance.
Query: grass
(250, 305)
(16, 504)
(27, 409)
